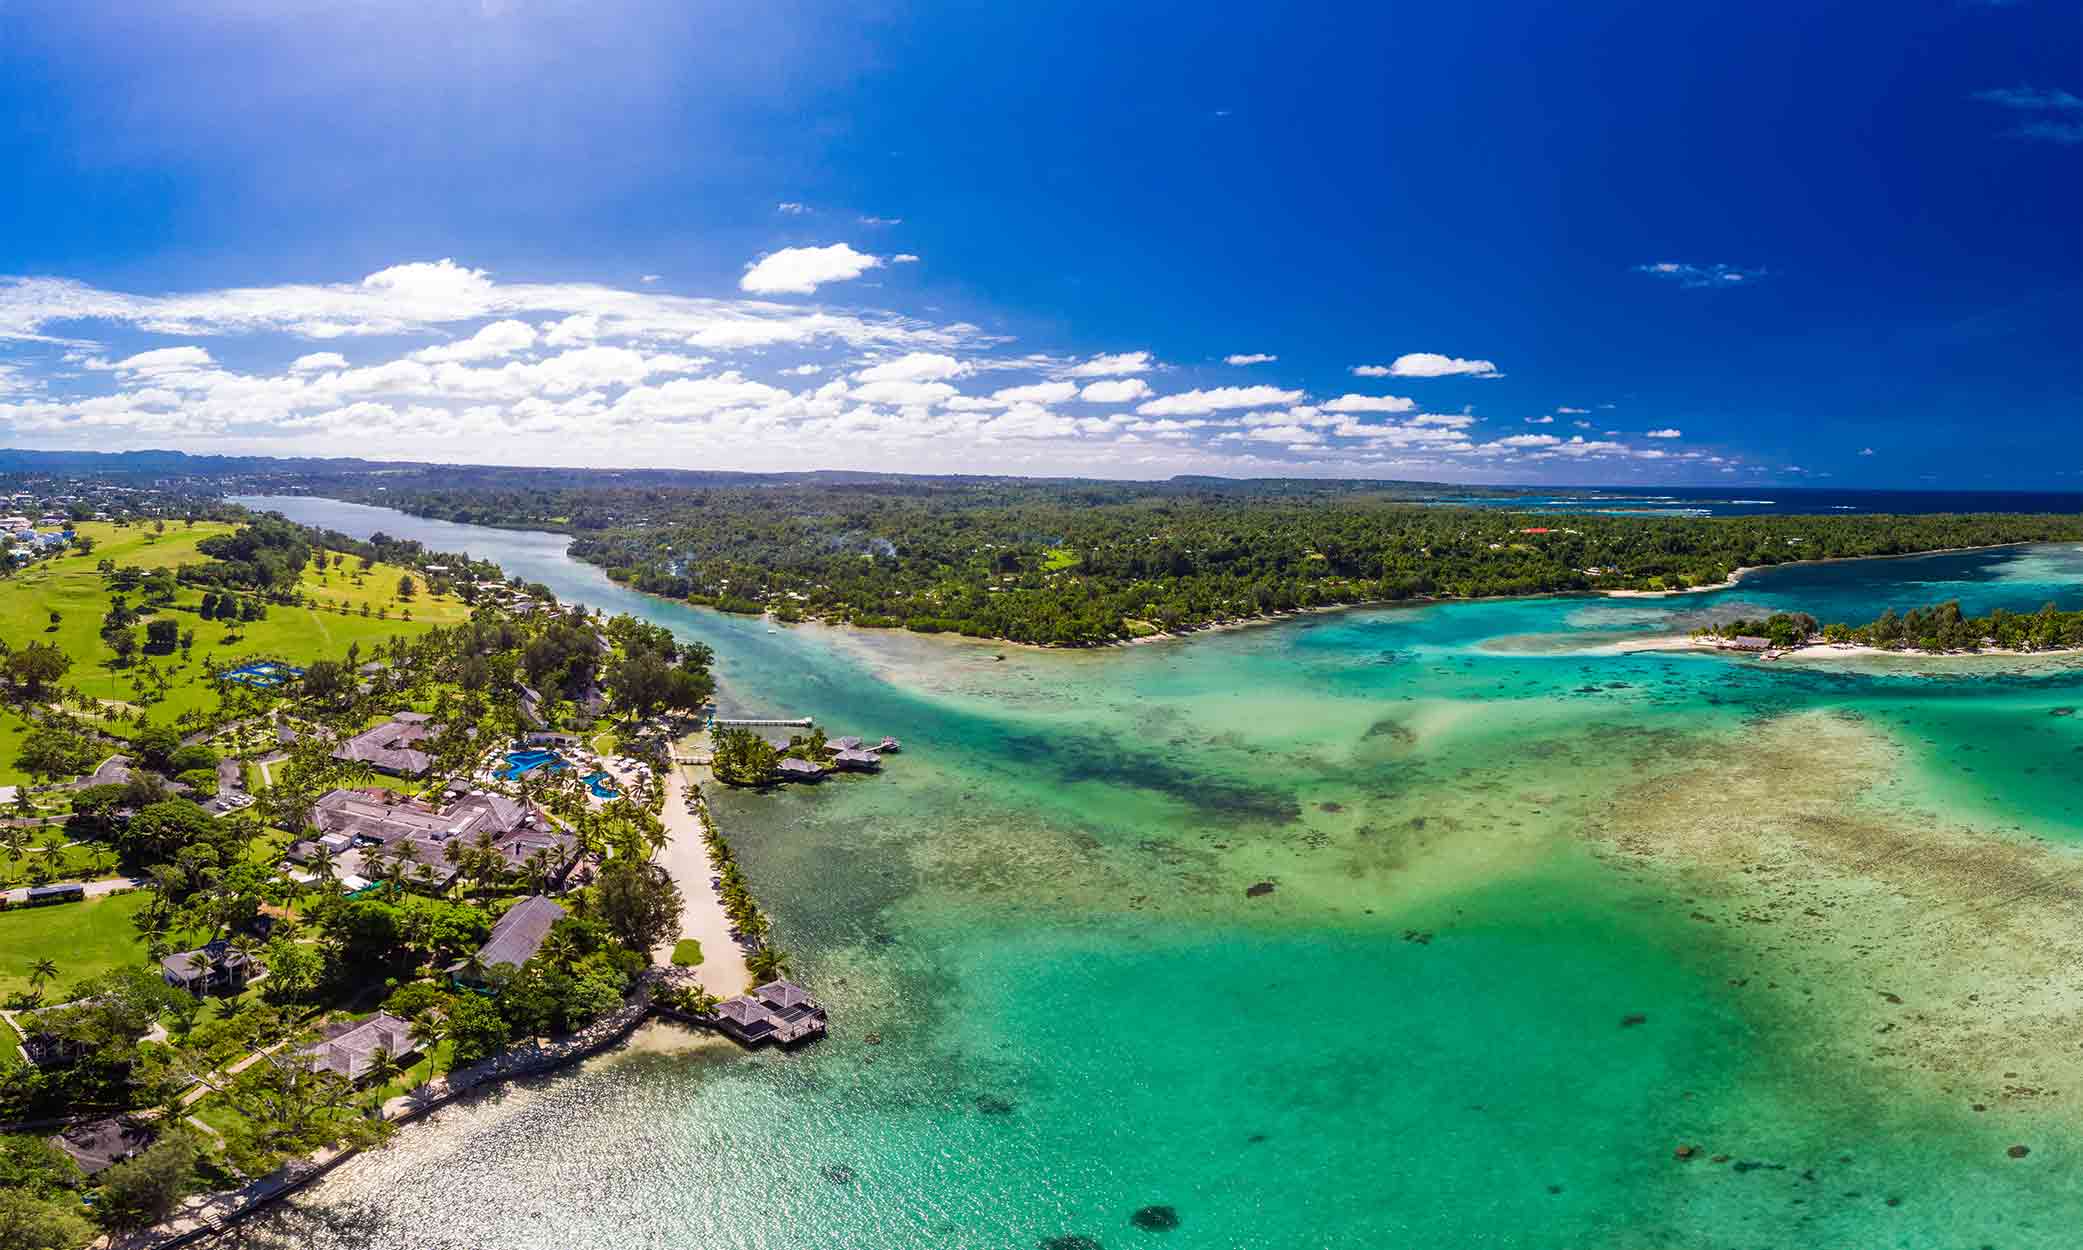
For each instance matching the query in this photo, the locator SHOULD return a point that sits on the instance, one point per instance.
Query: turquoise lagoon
(1541, 914)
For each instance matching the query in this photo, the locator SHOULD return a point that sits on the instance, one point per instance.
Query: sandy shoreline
(1733, 581)
(686, 857)
(1737, 576)
(1825, 650)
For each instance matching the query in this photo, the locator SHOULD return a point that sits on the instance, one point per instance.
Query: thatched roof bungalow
(349, 1048)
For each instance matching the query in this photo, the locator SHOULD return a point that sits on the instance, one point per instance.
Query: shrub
(687, 952)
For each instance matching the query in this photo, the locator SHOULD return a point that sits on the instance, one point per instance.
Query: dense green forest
(1072, 563)
(1940, 628)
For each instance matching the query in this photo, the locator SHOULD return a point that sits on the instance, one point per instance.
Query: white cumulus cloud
(1249, 358)
(501, 338)
(1112, 366)
(1218, 399)
(1371, 403)
(1666, 433)
(914, 367)
(1116, 391)
(1038, 393)
(1434, 365)
(801, 270)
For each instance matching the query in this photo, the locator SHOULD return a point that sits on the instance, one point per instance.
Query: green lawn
(687, 953)
(214, 1111)
(74, 863)
(267, 848)
(84, 939)
(71, 586)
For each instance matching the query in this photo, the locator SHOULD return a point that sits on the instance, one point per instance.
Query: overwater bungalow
(779, 1011)
(856, 760)
(792, 769)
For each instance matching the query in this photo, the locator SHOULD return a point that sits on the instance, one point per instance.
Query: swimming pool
(601, 785)
(263, 673)
(521, 763)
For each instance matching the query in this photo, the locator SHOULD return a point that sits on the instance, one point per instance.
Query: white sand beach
(686, 857)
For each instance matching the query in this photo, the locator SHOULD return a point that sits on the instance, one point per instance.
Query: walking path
(686, 857)
(210, 1082)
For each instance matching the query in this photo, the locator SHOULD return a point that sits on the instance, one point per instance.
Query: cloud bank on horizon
(439, 360)
(963, 238)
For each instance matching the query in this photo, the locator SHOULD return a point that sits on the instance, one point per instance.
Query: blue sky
(1584, 243)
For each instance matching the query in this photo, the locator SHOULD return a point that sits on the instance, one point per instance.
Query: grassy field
(71, 586)
(74, 863)
(83, 939)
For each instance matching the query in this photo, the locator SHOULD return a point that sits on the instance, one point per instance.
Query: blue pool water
(521, 763)
(262, 673)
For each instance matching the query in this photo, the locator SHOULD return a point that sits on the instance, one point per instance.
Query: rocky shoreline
(206, 1215)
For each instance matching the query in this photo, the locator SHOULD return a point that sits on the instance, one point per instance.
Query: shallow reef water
(1432, 925)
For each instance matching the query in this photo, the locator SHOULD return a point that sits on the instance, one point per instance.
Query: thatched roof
(519, 933)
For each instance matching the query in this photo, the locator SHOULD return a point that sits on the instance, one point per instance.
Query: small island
(1938, 630)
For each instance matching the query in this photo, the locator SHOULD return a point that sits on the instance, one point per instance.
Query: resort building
(779, 1011)
(392, 747)
(100, 1144)
(516, 936)
(215, 968)
(361, 828)
(531, 707)
(792, 769)
(38, 895)
(856, 760)
(349, 1048)
(43, 1044)
(1748, 642)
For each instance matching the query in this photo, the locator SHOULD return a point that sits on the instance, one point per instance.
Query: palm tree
(428, 1032)
(383, 1069)
(41, 971)
(768, 963)
(559, 948)
(538, 867)
(394, 871)
(163, 878)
